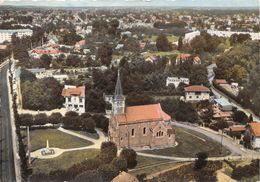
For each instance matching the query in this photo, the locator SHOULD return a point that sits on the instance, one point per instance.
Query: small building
(74, 98)
(138, 127)
(196, 93)
(254, 133)
(224, 104)
(236, 131)
(176, 81)
(181, 58)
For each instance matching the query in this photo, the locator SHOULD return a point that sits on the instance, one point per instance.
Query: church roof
(143, 113)
(118, 89)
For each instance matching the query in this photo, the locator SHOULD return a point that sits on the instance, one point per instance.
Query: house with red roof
(181, 58)
(74, 98)
(138, 127)
(254, 133)
(196, 93)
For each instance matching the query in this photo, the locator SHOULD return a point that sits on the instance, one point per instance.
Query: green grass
(63, 161)
(171, 38)
(84, 133)
(56, 138)
(189, 144)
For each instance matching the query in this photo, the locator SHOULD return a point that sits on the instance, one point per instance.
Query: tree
(25, 119)
(89, 124)
(46, 60)
(180, 43)
(247, 141)
(201, 160)
(162, 43)
(27, 76)
(130, 156)
(55, 118)
(105, 54)
(120, 164)
(108, 151)
(40, 119)
(90, 175)
(240, 117)
(71, 114)
(108, 172)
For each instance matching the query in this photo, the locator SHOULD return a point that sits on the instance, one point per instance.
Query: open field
(91, 135)
(189, 144)
(56, 138)
(171, 38)
(64, 161)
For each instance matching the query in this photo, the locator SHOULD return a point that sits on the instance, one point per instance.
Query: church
(138, 127)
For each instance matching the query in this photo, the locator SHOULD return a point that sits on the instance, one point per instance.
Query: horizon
(135, 3)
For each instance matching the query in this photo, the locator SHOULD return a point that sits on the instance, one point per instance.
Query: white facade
(255, 141)
(6, 35)
(176, 81)
(196, 96)
(74, 98)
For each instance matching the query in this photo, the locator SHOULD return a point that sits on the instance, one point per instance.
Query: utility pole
(28, 145)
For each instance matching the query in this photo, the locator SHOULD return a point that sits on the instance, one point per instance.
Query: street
(7, 169)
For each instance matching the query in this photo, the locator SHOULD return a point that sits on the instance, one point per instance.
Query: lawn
(171, 38)
(189, 144)
(91, 135)
(56, 138)
(63, 161)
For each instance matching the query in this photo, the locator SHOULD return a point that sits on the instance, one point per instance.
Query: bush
(130, 156)
(108, 172)
(55, 118)
(25, 119)
(120, 164)
(246, 171)
(201, 160)
(40, 119)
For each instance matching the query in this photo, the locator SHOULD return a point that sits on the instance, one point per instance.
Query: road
(7, 169)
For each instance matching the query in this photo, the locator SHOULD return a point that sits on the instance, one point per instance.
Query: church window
(133, 132)
(144, 130)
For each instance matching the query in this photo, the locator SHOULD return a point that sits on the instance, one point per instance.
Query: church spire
(118, 89)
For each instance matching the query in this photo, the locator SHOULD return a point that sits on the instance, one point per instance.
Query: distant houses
(181, 58)
(6, 35)
(74, 98)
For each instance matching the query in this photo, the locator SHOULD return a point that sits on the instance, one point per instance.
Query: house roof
(143, 113)
(183, 56)
(237, 128)
(221, 81)
(196, 88)
(78, 91)
(125, 177)
(255, 128)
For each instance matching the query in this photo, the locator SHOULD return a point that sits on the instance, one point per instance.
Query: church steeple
(119, 99)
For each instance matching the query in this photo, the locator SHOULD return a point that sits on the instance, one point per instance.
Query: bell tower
(119, 98)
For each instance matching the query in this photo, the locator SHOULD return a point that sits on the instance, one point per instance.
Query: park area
(189, 144)
(56, 138)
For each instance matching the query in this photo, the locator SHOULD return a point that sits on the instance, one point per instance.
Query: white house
(74, 98)
(196, 93)
(254, 133)
(176, 81)
(6, 35)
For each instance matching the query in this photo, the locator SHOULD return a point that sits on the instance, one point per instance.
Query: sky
(135, 3)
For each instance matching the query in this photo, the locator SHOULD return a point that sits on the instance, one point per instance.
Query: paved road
(235, 149)
(7, 170)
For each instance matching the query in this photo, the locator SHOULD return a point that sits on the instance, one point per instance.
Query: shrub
(108, 152)
(55, 118)
(130, 156)
(40, 119)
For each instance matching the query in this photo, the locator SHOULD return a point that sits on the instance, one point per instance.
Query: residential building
(223, 104)
(6, 35)
(138, 127)
(254, 133)
(187, 57)
(74, 98)
(196, 93)
(176, 81)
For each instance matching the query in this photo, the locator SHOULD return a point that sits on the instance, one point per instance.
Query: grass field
(189, 144)
(171, 38)
(64, 161)
(91, 135)
(56, 139)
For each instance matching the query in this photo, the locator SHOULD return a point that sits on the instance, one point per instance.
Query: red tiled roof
(79, 91)
(183, 56)
(221, 81)
(196, 88)
(255, 128)
(144, 113)
(237, 128)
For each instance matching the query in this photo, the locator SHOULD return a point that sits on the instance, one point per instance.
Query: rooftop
(196, 88)
(73, 91)
(255, 128)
